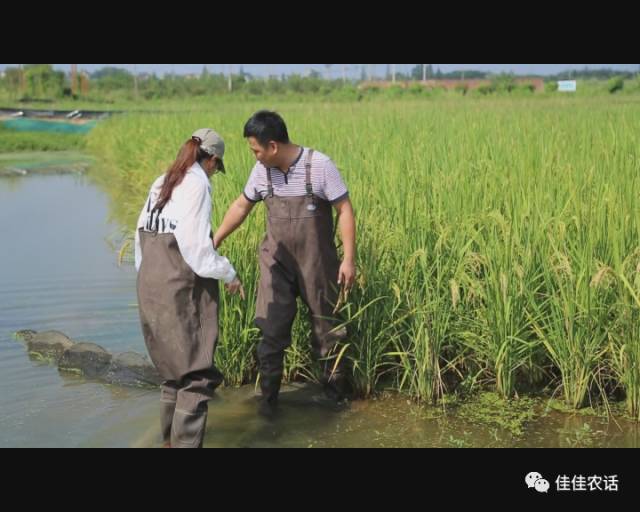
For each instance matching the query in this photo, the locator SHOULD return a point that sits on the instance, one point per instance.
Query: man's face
(266, 155)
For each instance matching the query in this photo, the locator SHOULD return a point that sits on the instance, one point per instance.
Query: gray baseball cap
(212, 144)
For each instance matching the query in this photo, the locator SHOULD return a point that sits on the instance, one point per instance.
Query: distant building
(537, 83)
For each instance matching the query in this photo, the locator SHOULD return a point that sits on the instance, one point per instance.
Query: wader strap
(269, 182)
(150, 224)
(307, 167)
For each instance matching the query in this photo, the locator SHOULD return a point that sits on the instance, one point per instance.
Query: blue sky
(352, 70)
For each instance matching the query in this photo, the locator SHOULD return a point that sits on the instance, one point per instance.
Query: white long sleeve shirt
(187, 215)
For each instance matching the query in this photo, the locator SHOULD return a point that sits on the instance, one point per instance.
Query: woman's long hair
(189, 154)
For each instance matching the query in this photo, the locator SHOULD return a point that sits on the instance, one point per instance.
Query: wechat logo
(535, 481)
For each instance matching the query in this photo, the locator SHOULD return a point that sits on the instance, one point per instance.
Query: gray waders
(298, 258)
(179, 317)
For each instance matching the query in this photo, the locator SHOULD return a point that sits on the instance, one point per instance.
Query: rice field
(498, 240)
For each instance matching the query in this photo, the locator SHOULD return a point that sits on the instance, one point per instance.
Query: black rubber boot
(270, 387)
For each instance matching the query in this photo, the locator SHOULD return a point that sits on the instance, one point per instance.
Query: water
(59, 271)
(53, 126)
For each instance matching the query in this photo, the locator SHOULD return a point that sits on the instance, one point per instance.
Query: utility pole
(84, 84)
(135, 81)
(393, 73)
(23, 80)
(74, 79)
(327, 75)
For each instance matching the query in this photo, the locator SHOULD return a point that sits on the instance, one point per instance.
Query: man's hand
(347, 274)
(234, 287)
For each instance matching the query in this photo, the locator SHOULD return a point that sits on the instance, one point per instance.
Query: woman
(178, 272)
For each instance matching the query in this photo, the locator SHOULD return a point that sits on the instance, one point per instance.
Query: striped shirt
(325, 179)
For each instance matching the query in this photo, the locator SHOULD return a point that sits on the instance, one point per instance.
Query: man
(298, 257)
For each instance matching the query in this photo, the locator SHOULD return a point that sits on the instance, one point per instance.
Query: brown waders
(298, 258)
(179, 316)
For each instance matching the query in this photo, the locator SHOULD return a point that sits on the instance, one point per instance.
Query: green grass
(13, 141)
(45, 161)
(498, 238)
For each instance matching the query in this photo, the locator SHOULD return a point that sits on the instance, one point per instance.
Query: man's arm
(235, 216)
(347, 227)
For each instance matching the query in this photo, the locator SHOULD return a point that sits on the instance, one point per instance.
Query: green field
(499, 238)
(13, 140)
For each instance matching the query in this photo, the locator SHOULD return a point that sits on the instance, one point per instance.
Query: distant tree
(42, 80)
(615, 84)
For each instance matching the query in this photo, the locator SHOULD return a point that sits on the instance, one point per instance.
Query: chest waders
(179, 317)
(298, 258)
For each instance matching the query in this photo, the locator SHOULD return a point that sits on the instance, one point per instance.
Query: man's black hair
(266, 126)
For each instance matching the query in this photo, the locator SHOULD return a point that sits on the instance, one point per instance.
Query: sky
(336, 70)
